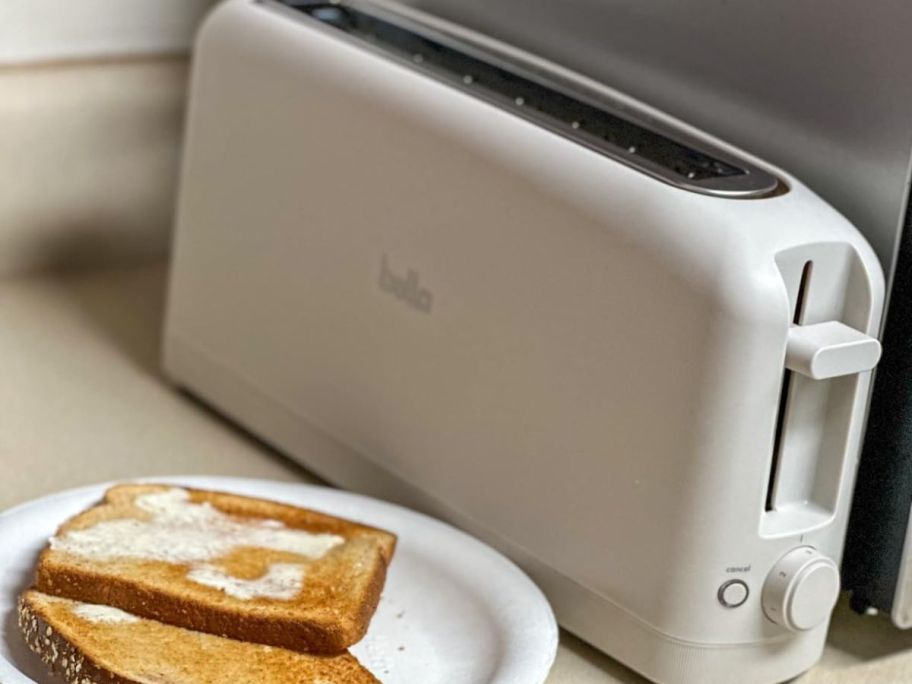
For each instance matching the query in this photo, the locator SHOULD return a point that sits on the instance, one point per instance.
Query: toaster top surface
(544, 96)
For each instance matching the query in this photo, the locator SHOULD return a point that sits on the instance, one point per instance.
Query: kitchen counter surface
(82, 401)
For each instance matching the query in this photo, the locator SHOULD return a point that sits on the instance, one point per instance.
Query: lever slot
(827, 352)
(798, 311)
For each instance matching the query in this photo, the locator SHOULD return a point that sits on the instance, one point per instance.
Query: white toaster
(439, 270)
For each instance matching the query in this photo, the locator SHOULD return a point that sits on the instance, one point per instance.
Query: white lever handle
(830, 350)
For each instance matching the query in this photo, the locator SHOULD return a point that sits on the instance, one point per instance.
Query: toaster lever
(830, 350)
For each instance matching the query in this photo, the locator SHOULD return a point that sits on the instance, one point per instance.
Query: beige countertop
(82, 401)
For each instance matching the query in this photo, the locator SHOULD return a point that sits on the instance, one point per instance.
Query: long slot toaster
(437, 269)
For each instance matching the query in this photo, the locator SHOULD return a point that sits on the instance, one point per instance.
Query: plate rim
(549, 629)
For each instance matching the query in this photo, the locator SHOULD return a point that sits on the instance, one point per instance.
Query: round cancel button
(733, 593)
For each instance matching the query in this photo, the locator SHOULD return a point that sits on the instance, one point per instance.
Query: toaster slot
(825, 354)
(798, 310)
(546, 99)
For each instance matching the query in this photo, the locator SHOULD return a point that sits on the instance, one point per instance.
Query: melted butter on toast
(173, 529)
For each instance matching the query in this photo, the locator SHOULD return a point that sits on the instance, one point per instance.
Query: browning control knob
(801, 590)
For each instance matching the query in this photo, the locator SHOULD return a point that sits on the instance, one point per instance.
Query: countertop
(82, 401)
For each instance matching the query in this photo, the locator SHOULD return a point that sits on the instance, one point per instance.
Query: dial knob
(801, 590)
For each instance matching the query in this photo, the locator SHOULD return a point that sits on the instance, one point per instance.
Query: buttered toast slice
(225, 564)
(91, 644)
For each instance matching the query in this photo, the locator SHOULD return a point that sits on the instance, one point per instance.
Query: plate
(453, 611)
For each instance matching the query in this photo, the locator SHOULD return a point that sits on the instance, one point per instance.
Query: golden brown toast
(90, 644)
(225, 564)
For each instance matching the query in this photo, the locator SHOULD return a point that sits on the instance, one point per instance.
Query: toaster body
(642, 378)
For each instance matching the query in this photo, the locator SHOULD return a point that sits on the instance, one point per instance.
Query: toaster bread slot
(585, 116)
(824, 354)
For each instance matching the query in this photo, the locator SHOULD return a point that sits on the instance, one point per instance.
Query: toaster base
(594, 618)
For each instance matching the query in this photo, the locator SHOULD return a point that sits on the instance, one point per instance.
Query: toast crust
(81, 651)
(319, 635)
(330, 613)
(61, 657)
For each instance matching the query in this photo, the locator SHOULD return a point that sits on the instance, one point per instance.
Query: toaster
(437, 269)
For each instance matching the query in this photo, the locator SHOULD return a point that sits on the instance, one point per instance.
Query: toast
(89, 644)
(224, 564)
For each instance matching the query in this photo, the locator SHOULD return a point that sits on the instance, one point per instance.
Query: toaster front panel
(428, 314)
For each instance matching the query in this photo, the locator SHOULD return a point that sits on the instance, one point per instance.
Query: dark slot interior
(560, 111)
(784, 394)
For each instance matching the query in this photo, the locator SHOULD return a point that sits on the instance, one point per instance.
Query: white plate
(453, 611)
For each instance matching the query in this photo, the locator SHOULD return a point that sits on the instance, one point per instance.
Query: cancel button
(733, 593)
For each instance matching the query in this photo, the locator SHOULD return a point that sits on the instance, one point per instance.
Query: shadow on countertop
(124, 305)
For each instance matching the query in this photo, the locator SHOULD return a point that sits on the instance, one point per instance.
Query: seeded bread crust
(67, 651)
(319, 629)
(59, 655)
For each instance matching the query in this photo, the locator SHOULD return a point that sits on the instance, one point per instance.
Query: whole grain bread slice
(89, 644)
(225, 564)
